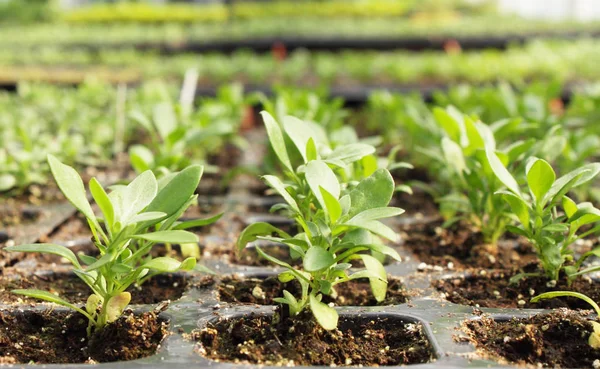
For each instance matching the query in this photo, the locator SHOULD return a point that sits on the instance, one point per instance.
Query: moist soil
(492, 289)
(462, 246)
(257, 339)
(68, 286)
(555, 340)
(263, 291)
(60, 337)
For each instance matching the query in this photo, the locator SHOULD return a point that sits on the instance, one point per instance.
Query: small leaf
(332, 205)
(169, 265)
(379, 284)
(540, 178)
(374, 214)
(141, 158)
(326, 316)
(176, 236)
(47, 296)
(375, 191)
(317, 259)
(103, 201)
(285, 277)
(71, 185)
(350, 153)
(250, 233)
(454, 155)
(198, 222)
(502, 173)
(276, 139)
(116, 305)
(177, 191)
(92, 303)
(519, 207)
(318, 174)
(569, 206)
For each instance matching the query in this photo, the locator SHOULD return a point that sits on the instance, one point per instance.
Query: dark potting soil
(68, 286)
(463, 247)
(492, 289)
(263, 291)
(555, 340)
(60, 337)
(258, 339)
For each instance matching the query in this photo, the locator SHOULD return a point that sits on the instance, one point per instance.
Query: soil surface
(258, 339)
(555, 340)
(71, 288)
(463, 247)
(263, 291)
(60, 337)
(493, 290)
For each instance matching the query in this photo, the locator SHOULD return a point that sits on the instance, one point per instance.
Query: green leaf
(448, 123)
(540, 177)
(141, 158)
(517, 230)
(164, 119)
(326, 316)
(518, 206)
(350, 153)
(301, 132)
(317, 259)
(569, 206)
(47, 296)
(198, 222)
(71, 185)
(103, 201)
(375, 191)
(311, 150)
(557, 227)
(332, 205)
(147, 216)
(276, 139)
(285, 277)
(278, 186)
(169, 265)
(502, 173)
(250, 233)
(136, 196)
(374, 214)
(378, 284)
(47, 248)
(554, 294)
(376, 227)
(318, 174)
(174, 236)
(177, 191)
(572, 179)
(454, 155)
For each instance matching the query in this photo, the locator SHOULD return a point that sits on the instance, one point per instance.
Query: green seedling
(335, 226)
(536, 208)
(134, 218)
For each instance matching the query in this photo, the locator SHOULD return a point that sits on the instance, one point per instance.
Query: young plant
(537, 210)
(135, 218)
(334, 227)
(467, 181)
(594, 339)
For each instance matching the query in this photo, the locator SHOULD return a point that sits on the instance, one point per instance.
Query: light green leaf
(350, 153)
(376, 227)
(454, 155)
(572, 179)
(278, 186)
(326, 316)
(569, 206)
(102, 200)
(47, 248)
(136, 196)
(47, 296)
(518, 206)
(317, 258)
(374, 214)
(250, 233)
(276, 139)
(374, 191)
(174, 236)
(71, 185)
(169, 265)
(7, 181)
(502, 173)
(198, 222)
(318, 174)
(540, 177)
(378, 284)
(141, 158)
(332, 205)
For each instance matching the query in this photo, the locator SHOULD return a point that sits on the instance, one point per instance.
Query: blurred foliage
(27, 11)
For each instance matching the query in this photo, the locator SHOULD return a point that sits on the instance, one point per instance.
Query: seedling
(135, 218)
(334, 227)
(594, 339)
(537, 210)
